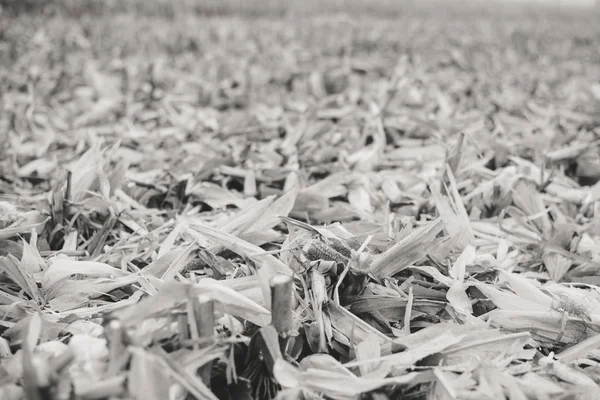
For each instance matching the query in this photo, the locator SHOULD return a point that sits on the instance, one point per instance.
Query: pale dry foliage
(429, 184)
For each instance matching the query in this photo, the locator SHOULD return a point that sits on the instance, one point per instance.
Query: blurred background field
(387, 8)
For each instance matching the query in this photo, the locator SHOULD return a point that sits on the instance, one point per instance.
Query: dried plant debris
(231, 208)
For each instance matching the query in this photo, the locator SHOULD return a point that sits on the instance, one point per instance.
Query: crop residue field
(299, 205)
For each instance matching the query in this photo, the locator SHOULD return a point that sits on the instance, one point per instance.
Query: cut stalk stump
(281, 308)
(203, 309)
(118, 340)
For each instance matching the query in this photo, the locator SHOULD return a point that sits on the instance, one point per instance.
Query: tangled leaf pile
(299, 209)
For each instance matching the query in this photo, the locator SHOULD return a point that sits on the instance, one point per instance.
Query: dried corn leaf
(453, 213)
(407, 251)
(334, 383)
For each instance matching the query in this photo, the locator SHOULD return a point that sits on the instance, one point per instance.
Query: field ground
(427, 177)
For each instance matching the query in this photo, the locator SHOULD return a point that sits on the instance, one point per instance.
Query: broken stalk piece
(271, 341)
(111, 387)
(43, 381)
(59, 363)
(117, 347)
(182, 325)
(281, 308)
(203, 308)
(67, 199)
(46, 374)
